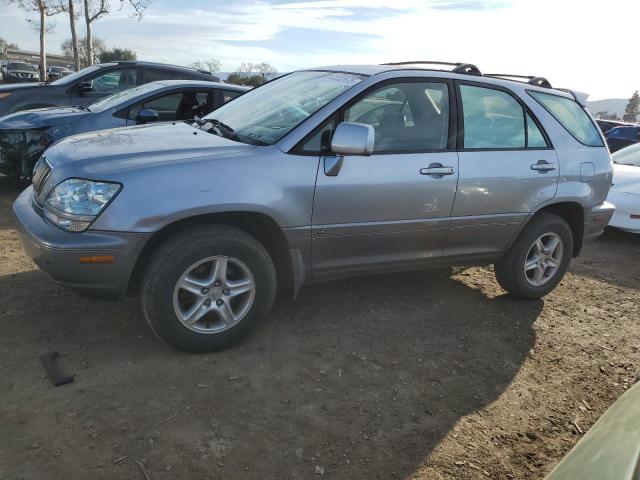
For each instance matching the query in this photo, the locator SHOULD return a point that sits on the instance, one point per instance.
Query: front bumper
(596, 218)
(626, 216)
(58, 253)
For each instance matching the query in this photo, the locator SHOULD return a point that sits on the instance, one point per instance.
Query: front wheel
(538, 259)
(207, 287)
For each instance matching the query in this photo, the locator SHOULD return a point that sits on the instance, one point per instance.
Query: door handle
(437, 169)
(543, 166)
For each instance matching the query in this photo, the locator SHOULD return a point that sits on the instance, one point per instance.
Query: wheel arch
(571, 212)
(259, 225)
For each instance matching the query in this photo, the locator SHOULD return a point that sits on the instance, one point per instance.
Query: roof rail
(530, 79)
(465, 68)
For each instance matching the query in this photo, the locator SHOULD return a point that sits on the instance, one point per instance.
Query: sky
(570, 42)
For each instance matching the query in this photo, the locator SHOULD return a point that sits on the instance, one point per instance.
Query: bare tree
(212, 65)
(73, 16)
(99, 47)
(252, 74)
(96, 9)
(266, 71)
(4, 46)
(44, 9)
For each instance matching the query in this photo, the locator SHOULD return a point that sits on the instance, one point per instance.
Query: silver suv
(319, 174)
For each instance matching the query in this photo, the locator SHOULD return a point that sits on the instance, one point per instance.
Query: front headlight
(75, 203)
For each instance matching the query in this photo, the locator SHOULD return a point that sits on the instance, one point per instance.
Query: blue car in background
(621, 137)
(24, 136)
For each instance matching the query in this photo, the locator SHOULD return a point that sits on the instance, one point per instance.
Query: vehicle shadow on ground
(358, 378)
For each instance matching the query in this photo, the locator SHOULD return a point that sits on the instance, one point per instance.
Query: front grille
(40, 174)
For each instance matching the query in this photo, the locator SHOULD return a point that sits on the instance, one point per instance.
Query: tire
(510, 270)
(207, 247)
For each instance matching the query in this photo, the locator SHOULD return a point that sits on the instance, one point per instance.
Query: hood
(108, 151)
(42, 117)
(11, 87)
(626, 178)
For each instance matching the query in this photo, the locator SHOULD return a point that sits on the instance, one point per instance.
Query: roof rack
(465, 68)
(471, 69)
(530, 79)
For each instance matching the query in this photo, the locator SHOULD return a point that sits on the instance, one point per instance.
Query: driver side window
(166, 107)
(406, 117)
(115, 81)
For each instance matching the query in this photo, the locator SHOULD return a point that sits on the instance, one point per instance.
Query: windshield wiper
(81, 107)
(222, 129)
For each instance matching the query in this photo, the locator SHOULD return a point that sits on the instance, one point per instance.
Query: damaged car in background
(24, 136)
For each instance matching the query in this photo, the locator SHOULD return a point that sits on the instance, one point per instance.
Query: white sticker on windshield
(345, 79)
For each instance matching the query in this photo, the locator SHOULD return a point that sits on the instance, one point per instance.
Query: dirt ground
(428, 375)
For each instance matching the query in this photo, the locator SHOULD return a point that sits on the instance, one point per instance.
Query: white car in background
(625, 191)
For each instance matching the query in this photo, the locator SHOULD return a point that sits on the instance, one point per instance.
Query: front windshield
(266, 114)
(122, 97)
(74, 76)
(628, 155)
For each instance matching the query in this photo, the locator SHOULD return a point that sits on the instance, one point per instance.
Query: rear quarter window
(571, 116)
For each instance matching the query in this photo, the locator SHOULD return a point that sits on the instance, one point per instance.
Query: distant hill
(612, 105)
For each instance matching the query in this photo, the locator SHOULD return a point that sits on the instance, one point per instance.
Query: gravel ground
(427, 375)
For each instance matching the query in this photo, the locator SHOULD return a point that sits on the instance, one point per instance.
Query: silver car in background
(319, 174)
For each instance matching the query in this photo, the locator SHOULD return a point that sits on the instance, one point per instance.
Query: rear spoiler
(579, 97)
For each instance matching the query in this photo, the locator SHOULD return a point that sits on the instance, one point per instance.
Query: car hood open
(626, 178)
(42, 117)
(108, 151)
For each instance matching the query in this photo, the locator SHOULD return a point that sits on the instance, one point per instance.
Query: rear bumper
(596, 218)
(58, 253)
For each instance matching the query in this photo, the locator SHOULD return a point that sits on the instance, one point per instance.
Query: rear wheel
(207, 287)
(538, 259)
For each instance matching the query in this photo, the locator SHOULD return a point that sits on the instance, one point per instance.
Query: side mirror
(148, 115)
(84, 87)
(353, 139)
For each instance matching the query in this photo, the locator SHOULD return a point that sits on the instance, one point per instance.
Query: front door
(507, 168)
(391, 209)
(105, 84)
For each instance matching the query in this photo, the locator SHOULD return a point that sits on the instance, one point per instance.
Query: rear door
(507, 168)
(390, 209)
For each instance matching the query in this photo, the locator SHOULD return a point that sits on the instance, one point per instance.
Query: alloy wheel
(543, 259)
(214, 294)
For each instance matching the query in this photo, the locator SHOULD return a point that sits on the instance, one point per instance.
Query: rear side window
(493, 119)
(156, 75)
(571, 116)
